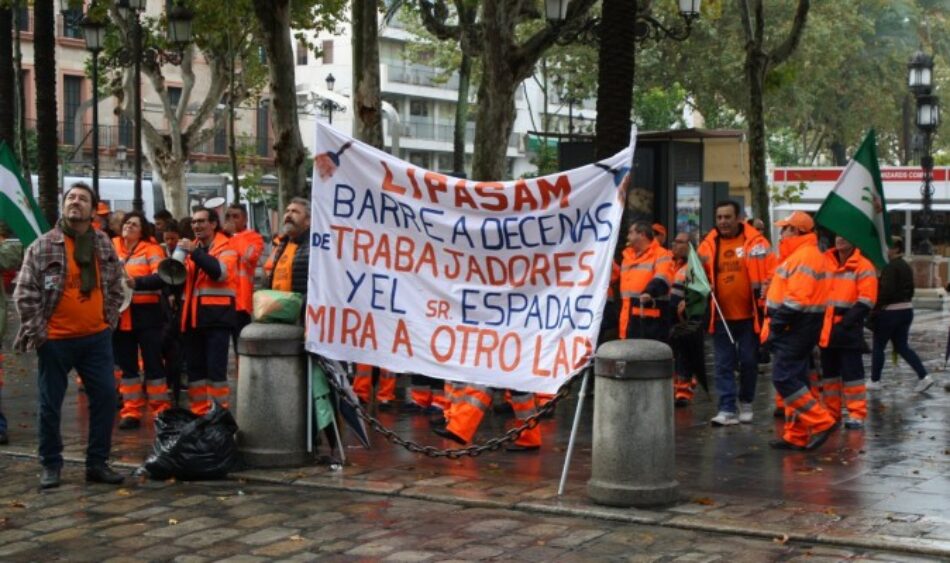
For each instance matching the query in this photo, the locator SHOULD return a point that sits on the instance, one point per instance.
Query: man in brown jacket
(68, 296)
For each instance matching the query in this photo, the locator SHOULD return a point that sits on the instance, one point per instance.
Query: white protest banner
(495, 283)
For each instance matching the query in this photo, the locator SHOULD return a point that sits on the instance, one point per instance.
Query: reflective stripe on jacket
(141, 261)
(852, 293)
(759, 262)
(209, 302)
(650, 272)
(798, 296)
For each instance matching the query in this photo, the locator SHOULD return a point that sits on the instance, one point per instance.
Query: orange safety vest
(759, 262)
(284, 269)
(850, 283)
(205, 294)
(270, 262)
(140, 260)
(636, 272)
(249, 245)
(801, 281)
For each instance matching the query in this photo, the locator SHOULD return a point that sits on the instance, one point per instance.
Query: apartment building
(116, 132)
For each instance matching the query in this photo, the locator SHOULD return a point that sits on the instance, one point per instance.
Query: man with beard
(292, 257)
(208, 310)
(68, 296)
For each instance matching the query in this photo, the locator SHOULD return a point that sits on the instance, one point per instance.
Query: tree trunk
(171, 170)
(839, 153)
(367, 102)
(755, 74)
(291, 154)
(615, 78)
(496, 116)
(44, 48)
(7, 90)
(461, 115)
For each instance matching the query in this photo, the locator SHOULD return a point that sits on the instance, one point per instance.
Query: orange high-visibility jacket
(648, 272)
(272, 257)
(249, 245)
(851, 295)
(209, 302)
(759, 264)
(797, 298)
(140, 261)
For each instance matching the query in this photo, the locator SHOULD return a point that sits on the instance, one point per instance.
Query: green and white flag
(855, 209)
(17, 207)
(697, 285)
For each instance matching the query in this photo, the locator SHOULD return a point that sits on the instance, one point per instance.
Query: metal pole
(570, 442)
(137, 203)
(330, 112)
(95, 122)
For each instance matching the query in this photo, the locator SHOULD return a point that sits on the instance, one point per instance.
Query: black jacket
(896, 283)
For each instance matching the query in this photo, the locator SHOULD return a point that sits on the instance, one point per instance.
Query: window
(72, 98)
(221, 140)
(23, 19)
(174, 96)
(418, 108)
(263, 125)
(126, 132)
(71, 27)
(302, 50)
(327, 50)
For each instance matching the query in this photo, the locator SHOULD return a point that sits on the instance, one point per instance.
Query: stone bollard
(272, 395)
(633, 462)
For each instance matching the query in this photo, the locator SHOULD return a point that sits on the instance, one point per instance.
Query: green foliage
(791, 193)
(659, 108)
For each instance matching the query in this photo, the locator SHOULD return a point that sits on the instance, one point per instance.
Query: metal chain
(474, 450)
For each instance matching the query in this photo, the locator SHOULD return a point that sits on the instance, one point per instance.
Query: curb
(914, 546)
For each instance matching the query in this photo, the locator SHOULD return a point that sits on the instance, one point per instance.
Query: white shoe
(745, 412)
(725, 418)
(923, 384)
(873, 386)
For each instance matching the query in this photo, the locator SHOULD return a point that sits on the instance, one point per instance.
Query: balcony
(420, 75)
(444, 133)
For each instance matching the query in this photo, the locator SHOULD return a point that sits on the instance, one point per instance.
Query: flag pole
(309, 404)
(721, 316)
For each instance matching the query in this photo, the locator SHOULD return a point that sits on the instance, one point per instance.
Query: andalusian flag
(855, 209)
(697, 284)
(17, 207)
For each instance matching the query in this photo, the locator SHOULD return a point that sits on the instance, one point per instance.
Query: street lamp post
(927, 118)
(179, 34)
(94, 33)
(328, 104)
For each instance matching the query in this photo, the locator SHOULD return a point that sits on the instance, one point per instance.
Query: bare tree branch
(783, 51)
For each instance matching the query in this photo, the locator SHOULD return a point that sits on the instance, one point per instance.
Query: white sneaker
(745, 412)
(725, 418)
(923, 384)
(873, 386)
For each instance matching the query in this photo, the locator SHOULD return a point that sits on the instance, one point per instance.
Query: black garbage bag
(190, 447)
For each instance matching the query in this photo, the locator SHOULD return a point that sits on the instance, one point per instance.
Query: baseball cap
(102, 208)
(798, 219)
(659, 230)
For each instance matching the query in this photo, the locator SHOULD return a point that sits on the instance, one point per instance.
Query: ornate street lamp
(94, 32)
(646, 26)
(328, 104)
(179, 34)
(920, 82)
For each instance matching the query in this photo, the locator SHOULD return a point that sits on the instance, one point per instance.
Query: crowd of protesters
(92, 298)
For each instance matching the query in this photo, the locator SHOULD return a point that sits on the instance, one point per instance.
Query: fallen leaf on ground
(17, 504)
(123, 492)
(705, 501)
(172, 521)
(296, 538)
(782, 540)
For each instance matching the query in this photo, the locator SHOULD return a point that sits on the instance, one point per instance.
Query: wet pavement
(887, 487)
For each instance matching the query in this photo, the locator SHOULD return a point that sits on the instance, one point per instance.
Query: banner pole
(309, 404)
(570, 442)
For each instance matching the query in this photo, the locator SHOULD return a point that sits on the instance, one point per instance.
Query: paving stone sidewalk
(887, 487)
